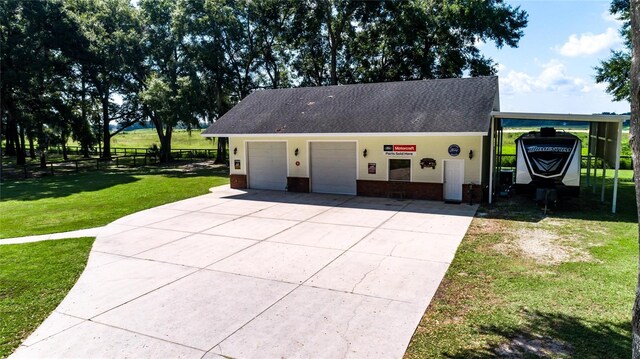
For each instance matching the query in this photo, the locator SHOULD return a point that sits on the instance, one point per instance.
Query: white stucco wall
(432, 146)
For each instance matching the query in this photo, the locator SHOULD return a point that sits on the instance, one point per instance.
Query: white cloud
(553, 77)
(589, 44)
(608, 17)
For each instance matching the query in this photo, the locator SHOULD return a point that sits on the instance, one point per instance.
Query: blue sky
(552, 70)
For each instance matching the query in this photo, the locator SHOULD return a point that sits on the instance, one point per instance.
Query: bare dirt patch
(193, 166)
(539, 346)
(554, 222)
(545, 247)
(486, 226)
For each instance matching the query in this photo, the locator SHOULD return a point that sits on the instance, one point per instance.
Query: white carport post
(614, 200)
(491, 159)
(604, 162)
(589, 154)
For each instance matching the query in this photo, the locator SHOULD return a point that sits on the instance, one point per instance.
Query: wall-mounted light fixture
(295, 152)
(235, 150)
(470, 154)
(364, 153)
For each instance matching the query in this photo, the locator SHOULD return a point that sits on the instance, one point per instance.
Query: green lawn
(34, 278)
(563, 284)
(92, 199)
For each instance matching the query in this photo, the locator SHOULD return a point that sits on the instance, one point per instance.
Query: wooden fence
(128, 157)
(128, 151)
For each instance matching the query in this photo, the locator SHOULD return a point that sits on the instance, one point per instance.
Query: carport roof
(425, 106)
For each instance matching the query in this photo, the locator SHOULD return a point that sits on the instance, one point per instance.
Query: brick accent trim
(238, 181)
(411, 190)
(298, 184)
(478, 193)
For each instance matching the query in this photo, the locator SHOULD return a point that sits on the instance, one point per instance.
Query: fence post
(76, 166)
(97, 163)
(51, 165)
(24, 167)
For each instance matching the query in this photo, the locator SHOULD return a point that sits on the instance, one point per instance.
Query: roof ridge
(434, 105)
(412, 81)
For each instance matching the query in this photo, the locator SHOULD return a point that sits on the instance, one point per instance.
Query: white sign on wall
(399, 150)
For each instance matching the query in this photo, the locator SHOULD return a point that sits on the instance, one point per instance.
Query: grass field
(141, 138)
(92, 199)
(528, 285)
(509, 147)
(34, 278)
(144, 138)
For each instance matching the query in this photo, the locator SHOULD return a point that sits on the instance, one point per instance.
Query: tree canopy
(87, 69)
(615, 71)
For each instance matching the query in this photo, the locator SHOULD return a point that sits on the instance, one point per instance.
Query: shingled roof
(445, 105)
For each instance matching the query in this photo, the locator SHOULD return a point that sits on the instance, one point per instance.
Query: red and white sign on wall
(404, 148)
(399, 150)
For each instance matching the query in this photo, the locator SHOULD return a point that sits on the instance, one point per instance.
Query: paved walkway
(257, 274)
(90, 232)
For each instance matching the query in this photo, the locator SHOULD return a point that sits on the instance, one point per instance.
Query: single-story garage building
(413, 139)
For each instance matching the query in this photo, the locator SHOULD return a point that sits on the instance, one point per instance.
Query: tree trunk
(99, 144)
(165, 145)
(21, 152)
(221, 153)
(10, 149)
(85, 150)
(106, 133)
(65, 155)
(334, 64)
(83, 114)
(32, 150)
(163, 136)
(43, 159)
(43, 144)
(634, 139)
(333, 47)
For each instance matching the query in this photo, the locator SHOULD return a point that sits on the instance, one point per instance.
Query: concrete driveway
(257, 274)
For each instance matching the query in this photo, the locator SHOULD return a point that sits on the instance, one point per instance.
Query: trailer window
(399, 170)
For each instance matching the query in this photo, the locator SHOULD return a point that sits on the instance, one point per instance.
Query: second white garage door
(267, 165)
(333, 167)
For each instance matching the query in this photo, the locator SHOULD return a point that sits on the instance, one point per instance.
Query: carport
(605, 138)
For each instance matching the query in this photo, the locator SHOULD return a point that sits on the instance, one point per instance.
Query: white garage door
(333, 167)
(267, 165)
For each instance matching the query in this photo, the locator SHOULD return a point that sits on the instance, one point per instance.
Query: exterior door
(333, 167)
(267, 165)
(453, 179)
